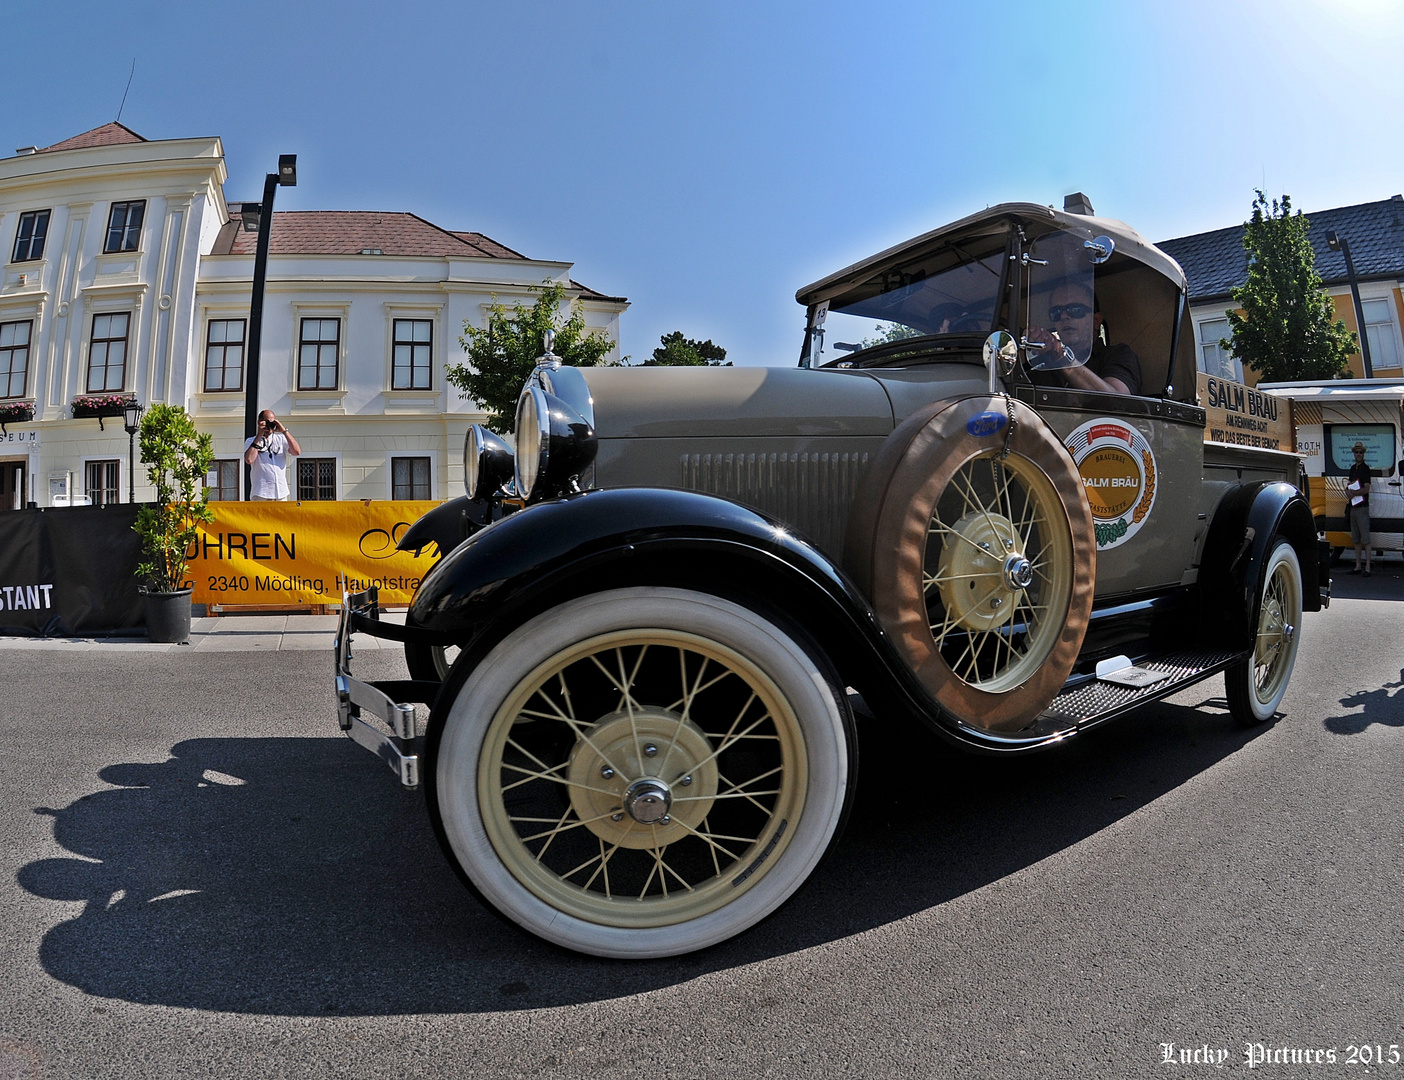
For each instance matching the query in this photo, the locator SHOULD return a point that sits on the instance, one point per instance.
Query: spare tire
(973, 540)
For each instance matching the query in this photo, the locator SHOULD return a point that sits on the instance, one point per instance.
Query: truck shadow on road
(291, 876)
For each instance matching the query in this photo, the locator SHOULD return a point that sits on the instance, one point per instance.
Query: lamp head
(131, 417)
(287, 170)
(251, 213)
(1333, 241)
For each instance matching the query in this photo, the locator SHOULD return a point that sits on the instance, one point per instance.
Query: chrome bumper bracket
(353, 697)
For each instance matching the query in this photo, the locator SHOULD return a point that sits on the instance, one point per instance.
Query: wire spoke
(570, 721)
(561, 828)
(707, 839)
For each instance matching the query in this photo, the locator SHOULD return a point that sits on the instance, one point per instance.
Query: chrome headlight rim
(488, 464)
(533, 440)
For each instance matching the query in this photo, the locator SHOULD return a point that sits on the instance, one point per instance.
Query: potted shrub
(176, 457)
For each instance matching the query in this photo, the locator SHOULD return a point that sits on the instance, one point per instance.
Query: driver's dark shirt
(1116, 362)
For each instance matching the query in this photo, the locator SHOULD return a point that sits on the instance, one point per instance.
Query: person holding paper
(1358, 506)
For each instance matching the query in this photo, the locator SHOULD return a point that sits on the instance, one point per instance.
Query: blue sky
(706, 160)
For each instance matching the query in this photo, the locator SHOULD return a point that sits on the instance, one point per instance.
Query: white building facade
(129, 276)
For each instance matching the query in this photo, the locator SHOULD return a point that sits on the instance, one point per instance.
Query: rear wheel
(642, 772)
(1254, 686)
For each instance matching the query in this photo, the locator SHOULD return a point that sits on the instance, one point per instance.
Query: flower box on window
(16, 412)
(88, 406)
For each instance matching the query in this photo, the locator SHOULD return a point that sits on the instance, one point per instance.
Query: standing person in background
(1358, 506)
(266, 455)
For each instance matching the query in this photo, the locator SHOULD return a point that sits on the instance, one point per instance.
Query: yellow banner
(306, 553)
(1241, 416)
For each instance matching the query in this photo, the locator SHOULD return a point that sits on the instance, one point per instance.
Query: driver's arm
(1084, 378)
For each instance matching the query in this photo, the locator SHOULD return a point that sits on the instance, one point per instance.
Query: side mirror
(1001, 353)
(1100, 249)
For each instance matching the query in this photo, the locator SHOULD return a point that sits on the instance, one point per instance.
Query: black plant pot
(168, 616)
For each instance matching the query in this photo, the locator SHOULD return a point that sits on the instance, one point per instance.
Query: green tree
(677, 351)
(502, 353)
(176, 457)
(889, 332)
(1287, 329)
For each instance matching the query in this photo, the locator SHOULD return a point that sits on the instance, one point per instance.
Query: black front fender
(446, 526)
(604, 539)
(1247, 520)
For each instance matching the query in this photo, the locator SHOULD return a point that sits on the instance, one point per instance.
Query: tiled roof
(1215, 262)
(111, 134)
(488, 246)
(373, 232)
(587, 293)
(344, 232)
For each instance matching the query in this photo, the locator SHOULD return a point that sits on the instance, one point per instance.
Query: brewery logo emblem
(1118, 478)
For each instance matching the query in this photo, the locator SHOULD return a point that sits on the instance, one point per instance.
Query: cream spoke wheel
(1255, 686)
(647, 787)
(996, 569)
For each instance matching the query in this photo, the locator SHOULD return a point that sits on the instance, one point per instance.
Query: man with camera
(266, 455)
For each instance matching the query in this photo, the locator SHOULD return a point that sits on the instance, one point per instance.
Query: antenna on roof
(124, 92)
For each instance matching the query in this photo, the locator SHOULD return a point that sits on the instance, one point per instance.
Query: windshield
(1062, 306)
(932, 298)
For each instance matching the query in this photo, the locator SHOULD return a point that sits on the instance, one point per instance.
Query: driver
(1077, 325)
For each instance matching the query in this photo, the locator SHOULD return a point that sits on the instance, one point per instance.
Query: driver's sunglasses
(1071, 311)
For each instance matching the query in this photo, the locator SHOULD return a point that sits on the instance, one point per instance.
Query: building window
(1214, 359)
(414, 339)
(316, 479)
(14, 357)
(29, 240)
(124, 226)
(101, 487)
(317, 354)
(224, 355)
(107, 355)
(222, 483)
(1381, 334)
(409, 478)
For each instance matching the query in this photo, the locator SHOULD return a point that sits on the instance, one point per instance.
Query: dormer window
(124, 226)
(29, 239)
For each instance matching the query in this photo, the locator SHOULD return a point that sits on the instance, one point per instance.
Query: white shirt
(269, 472)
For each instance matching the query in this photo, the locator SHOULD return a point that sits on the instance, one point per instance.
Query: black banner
(69, 572)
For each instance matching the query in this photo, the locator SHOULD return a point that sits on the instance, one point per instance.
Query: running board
(1087, 701)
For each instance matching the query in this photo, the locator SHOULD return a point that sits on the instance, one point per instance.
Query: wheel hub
(647, 801)
(642, 781)
(1018, 572)
(982, 571)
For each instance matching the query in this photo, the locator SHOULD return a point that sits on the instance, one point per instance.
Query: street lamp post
(131, 419)
(260, 221)
(1338, 243)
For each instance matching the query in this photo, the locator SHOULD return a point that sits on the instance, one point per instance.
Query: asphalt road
(201, 878)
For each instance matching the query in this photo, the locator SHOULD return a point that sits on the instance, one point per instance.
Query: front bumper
(391, 701)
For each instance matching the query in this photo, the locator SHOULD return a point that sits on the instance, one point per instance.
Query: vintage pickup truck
(991, 510)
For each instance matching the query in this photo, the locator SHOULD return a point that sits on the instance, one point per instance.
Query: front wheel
(1255, 685)
(641, 772)
(429, 662)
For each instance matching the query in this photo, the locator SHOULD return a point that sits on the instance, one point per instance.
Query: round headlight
(487, 463)
(533, 439)
(472, 450)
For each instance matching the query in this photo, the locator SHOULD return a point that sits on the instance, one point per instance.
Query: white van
(1330, 418)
